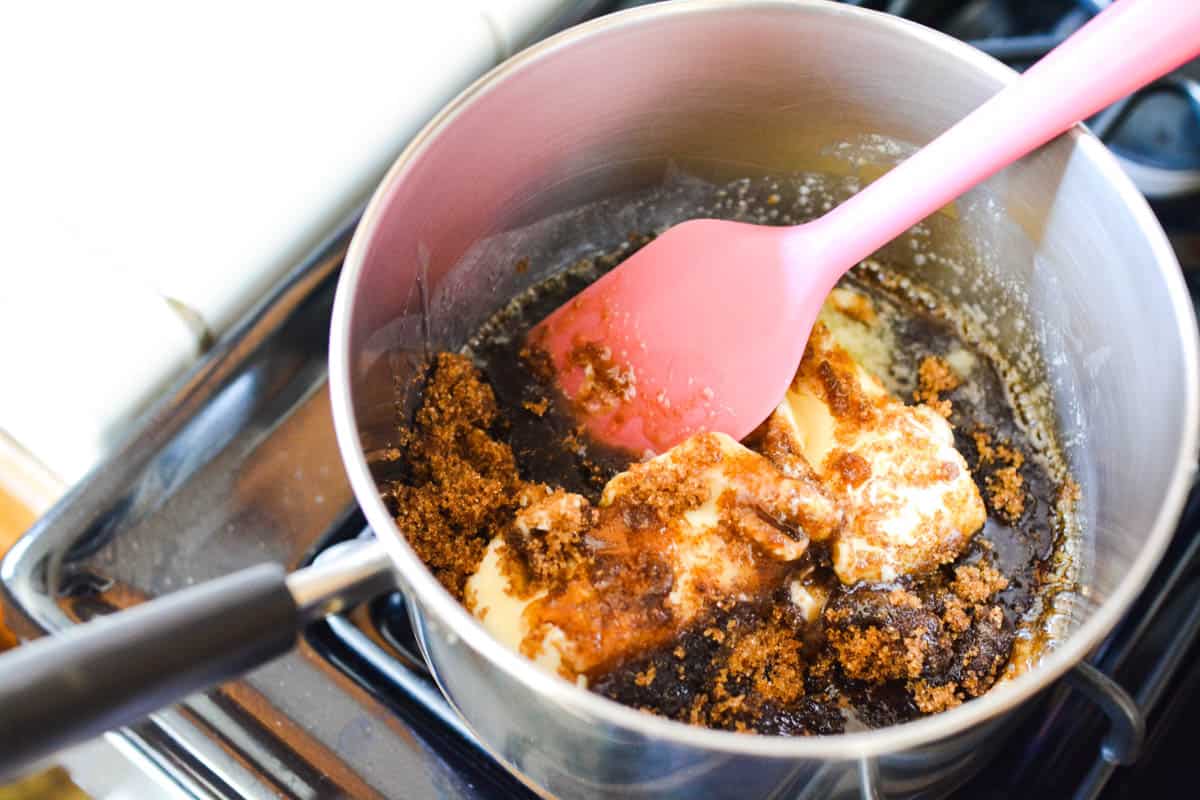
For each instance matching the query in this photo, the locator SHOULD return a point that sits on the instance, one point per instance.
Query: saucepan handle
(117, 669)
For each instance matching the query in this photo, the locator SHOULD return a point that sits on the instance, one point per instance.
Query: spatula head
(700, 330)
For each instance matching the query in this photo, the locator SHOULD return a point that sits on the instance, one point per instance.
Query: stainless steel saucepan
(1062, 256)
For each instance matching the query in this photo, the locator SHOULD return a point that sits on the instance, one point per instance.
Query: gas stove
(238, 465)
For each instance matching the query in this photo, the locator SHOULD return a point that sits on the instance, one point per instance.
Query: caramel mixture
(825, 571)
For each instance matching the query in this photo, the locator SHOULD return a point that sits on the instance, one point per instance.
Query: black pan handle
(115, 670)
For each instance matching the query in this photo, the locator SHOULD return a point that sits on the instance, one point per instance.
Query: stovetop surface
(239, 466)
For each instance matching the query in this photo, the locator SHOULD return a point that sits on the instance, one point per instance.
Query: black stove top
(239, 466)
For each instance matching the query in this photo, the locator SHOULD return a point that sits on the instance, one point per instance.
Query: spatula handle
(1125, 47)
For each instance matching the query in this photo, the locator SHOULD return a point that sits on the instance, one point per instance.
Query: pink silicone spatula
(703, 328)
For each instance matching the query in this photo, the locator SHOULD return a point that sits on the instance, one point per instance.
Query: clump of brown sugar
(935, 376)
(1004, 484)
(770, 658)
(877, 654)
(955, 616)
(992, 452)
(743, 669)
(646, 678)
(657, 492)
(462, 485)
(1007, 493)
(759, 664)
(1009, 455)
(983, 446)
(537, 407)
(932, 699)
(975, 583)
(881, 636)
(946, 643)
(537, 359)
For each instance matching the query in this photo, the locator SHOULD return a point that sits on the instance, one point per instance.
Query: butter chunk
(491, 596)
(908, 499)
(706, 523)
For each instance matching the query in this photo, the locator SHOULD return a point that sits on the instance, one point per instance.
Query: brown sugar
(977, 583)
(646, 678)
(983, 446)
(762, 664)
(941, 406)
(853, 468)
(879, 635)
(463, 485)
(605, 385)
(537, 407)
(547, 533)
(1005, 486)
(935, 376)
(875, 654)
(770, 657)
(1006, 454)
(903, 599)
(539, 363)
(932, 699)
(981, 659)
(845, 403)
(955, 616)
(1006, 491)
(945, 641)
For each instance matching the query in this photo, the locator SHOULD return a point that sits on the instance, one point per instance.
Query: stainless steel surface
(1066, 263)
(349, 574)
(237, 465)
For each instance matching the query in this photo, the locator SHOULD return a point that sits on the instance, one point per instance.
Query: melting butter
(908, 498)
